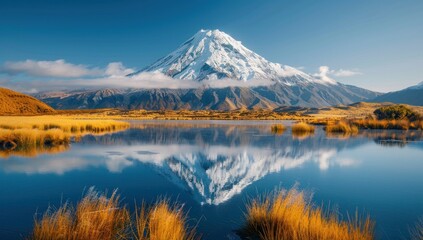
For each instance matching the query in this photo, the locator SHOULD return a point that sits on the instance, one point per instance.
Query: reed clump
(162, 222)
(289, 215)
(95, 217)
(341, 127)
(278, 128)
(98, 217)
(302, 127)
(302, 130)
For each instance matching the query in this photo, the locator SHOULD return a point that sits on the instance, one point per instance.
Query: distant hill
(14, 103)
(412, 95)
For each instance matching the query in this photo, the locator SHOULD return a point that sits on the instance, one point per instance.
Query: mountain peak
(213, 54)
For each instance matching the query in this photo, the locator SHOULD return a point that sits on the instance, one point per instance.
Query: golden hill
(14, 103)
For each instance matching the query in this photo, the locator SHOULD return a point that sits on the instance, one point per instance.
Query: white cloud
(227, 82)
(345, 73)
(117, 69)
(58, 68)
(325, 73)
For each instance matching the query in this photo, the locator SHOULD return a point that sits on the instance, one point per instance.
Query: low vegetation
(32, 138)
(95, 217)
(289, 215)
(341, 127)
(98, 217)
(285, 214)
(397, 112)
(162, 222)
(278, 128)
(303, 127)
(387, 124)
(26, 134)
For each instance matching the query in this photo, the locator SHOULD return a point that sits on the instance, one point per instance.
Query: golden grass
(303, 127)
(24, 134)
(14, 103)
(302, 130)
(31, 138)
(290, 216)
(278, 128)
(66, 124)
(98, 217)
(341, 127)
(388, 124)
(162, 222)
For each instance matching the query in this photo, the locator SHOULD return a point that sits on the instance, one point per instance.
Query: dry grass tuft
(162, 222)
(96, 217)
(278, 128)
(290, 216)
(302, 127)
(341, 127)
(302, 130)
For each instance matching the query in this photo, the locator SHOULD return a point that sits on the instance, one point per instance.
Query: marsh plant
(290, 215)
(101, 217)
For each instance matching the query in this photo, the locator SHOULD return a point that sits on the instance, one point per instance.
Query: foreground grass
(162, 222)
(98, 217)
(290, 216)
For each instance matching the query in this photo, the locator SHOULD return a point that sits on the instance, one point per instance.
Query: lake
(214, 167)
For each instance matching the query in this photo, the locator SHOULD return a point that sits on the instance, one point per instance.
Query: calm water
(213, 167)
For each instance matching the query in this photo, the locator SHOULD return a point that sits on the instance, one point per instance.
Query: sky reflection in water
(214, 166)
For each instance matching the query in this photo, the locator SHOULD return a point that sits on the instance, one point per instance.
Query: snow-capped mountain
(213, 54)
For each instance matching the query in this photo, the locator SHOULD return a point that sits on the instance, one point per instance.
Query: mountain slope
(213, 54)
(230, 98)
(412, 95)
(14, 103)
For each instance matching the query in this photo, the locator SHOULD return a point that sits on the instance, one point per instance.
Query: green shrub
(396, 112)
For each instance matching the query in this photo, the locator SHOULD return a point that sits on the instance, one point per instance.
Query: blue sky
(381, 40)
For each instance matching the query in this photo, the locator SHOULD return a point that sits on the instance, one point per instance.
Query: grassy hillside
(14, 103)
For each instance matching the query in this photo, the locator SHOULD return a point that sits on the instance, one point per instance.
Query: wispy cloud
(63, 75)
(58, 68)
(325, 72)
(345, 73)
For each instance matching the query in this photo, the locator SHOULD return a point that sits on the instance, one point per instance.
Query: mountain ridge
(412, 95)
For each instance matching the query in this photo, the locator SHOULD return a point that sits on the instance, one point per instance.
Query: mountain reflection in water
(212, 160)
